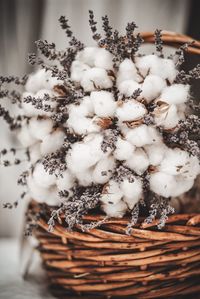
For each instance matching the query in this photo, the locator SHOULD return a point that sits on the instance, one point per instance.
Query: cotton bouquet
(105, 127)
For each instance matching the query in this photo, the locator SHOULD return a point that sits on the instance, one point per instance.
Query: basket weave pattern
(106, 262)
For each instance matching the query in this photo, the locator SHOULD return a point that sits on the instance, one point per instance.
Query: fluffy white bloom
(155, 153)
(130, 110)
(85, 178)
(87, 55)
(175, 94)
(112, 193)
(116, 210)
(138, 162)
(128, 87)
(35, 153)
(96, 78)
(146, 62)
(142, 135)
(168, 118)
(78, 69)
(162, 184)
(42, 177)
(28, 108)
(52, 142)
(127, 71)
(103, 59)
(182, 185)
(39, 128)
(103, 170)
(66, 181)
(132, 191)
(152, 87)
(25, 136)
(104, 103)
(124, 149)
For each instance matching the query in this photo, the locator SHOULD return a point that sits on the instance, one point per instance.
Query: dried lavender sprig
(159, 42)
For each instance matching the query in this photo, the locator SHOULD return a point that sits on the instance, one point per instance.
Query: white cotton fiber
(25, 136)
(130, 110)
(27, 108)
(175, 94)
(162, 184)
(138, 162)
(35, 81)
(35, 153)
(85, 178)
(103, 170)
(146, 62)
(78, 69)
(104, 103)
(152, 87)
(116, 210)
(165, 68)
(128, 87)
(66, 181)
(124, 149)
(103, 59)
(96, 78)
(182, 185)
(127, 71)
(52, 142)
(168, 119)
(142, 135)
(132, 191)
(39, 128)
(87, 55)
(112, 193)
(42, 177)
(155, 153)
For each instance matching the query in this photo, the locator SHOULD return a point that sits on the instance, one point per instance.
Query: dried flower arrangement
(105, 127)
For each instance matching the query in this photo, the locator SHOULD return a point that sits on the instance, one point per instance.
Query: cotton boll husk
(124, 149)
(39, 128)
(175, 94)
(152, 87)
(142, 135)
(96, 78)
(103, 59)
(130, 111)
(162, 184)
(42, 177)
(132, 191)
(85, 178)
(87, 55)
(115, 210)
(146, 62)
(182, 186)
(155, 153)
(66, 181)
(78, 69)
(35, 153)
(112, 193)
(103, 170)
(104, 103)
(127, 71)
(25, 137)
(168, 119)
(128, 87)
(52, 142)
(138, 162)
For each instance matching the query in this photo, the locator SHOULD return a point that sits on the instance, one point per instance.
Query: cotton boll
(152, 87)
(138, 162)
(42, 177)
(165, 68)
(132, 191)
(167, 119)
(66, 181)
(116, 210)
(146, 62)
(96, 78)
(112, 193)
(103, 59)
(49, 81)
(103, 170)
(175, 94)
(87, 103)
(35, 153)
(124, 149)
(87, 55)
(182, 186)
(39, 128)
(35, 81)
(25, 136)
(128, 87)
(162, 184)
(142, 135)
(155, 153)
(52, 142)
(104, 103)
(85, 178)
(127, 71)
(78, 69)
(130, 111)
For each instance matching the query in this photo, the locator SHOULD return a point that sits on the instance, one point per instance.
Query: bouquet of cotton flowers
(105, 127)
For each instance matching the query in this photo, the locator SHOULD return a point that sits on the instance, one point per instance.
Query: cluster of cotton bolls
(115, 104)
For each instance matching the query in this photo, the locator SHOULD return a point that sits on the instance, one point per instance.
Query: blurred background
(24, 21)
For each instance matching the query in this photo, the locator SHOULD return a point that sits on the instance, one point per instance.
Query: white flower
(138, 162)
(124, 149)
(115, 210)
(104, 103)
(52, 142)
(130, 110)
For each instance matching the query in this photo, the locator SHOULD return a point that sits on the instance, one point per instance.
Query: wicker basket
(105, 262)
